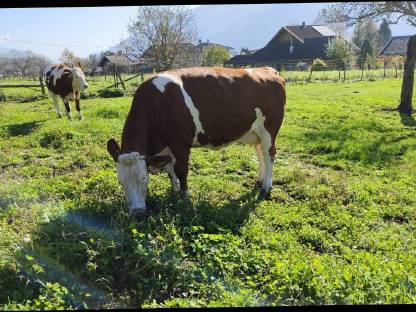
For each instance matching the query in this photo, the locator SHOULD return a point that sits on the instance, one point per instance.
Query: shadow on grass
(23, 128)
(93, 247)
(407, 120)
(377, 145)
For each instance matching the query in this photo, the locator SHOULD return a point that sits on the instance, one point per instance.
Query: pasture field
(339, 227)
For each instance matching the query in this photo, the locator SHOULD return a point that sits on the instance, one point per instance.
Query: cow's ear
(113, 149)
(158, 161)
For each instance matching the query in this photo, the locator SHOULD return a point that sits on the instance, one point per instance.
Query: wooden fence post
(41, 85)
(121, 81)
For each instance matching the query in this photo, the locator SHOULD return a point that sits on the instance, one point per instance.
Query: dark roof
(311, 48)
(306, 31)
(396, 46)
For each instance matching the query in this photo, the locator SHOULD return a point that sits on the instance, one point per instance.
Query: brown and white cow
(67, 83)
(197, 107)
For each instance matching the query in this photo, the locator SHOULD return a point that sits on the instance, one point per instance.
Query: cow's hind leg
(67, 108)
(260, 157)
(269, 152)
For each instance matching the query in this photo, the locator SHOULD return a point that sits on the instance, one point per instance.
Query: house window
(291, 48)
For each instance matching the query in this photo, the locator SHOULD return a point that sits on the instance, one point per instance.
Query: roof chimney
(303, 25)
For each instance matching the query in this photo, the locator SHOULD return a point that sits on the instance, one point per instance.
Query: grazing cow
(197, 107)
(67, 83)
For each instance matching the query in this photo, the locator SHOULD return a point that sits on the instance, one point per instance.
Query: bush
(85, 94)
(111, 93)
(319, 64)
(3, 97)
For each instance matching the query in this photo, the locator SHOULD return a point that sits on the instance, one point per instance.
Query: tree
(405, 106)
(163, 34)
(323, 18)
(391, 11)
(366, 30)
(341, 51)
(245, 51)
(384, 33)
(215, 56)
(366, 52)
(68, 58)
(351, 12)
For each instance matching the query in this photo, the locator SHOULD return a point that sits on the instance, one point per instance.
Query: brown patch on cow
(63, 85)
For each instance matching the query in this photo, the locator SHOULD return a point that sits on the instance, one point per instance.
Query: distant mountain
(6, 52)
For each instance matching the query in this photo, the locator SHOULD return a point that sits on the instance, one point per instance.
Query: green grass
(339, 227)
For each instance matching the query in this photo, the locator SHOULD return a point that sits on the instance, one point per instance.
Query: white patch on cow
(56, 73)
(170, 169)
(54, 98)
(162, 80)
(260, 176)
(132, 174)
(266, 143)
(79, 81)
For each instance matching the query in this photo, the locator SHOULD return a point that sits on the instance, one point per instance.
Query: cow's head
(79, 82)
(133, 174)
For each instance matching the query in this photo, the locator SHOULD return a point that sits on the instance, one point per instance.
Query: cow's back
(218, 105)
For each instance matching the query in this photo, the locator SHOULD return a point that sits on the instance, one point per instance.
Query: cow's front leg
(77, 106)
(181, 169)
(67, 108)
(175, 184)
(55, 103)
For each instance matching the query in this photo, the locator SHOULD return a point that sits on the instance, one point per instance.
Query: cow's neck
(139, 133)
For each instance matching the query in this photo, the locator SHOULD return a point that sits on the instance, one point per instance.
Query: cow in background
(67, 83)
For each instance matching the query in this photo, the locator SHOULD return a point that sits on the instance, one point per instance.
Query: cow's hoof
(69, 117)
(80, 118)
(138, 213)
(184, 194)
(258, 184)
(265, 194)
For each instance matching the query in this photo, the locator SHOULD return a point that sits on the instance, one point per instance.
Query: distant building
(191, 56)
(395, 46)
(290, 44)
(122, 63)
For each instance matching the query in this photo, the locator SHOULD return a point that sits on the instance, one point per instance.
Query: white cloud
(4, 38)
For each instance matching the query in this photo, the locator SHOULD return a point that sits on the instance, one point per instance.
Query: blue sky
(103, 27)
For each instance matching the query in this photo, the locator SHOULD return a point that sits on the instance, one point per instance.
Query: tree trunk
(362, 72)
(405, 105)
